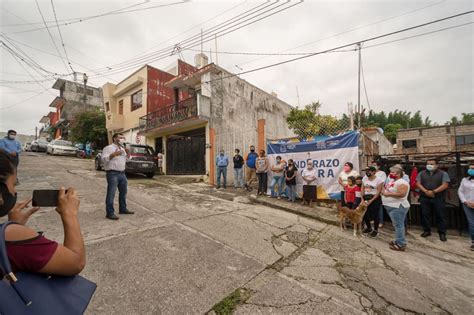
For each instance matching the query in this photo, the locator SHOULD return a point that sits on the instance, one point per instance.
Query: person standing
(351, 192)
(310, 177)
(371, 190)
(395, 200)
(380, 174)
(115, 157)
(11, 147)
(222, 161)
(159, 158)
(348, 170)
(466, 197)
(278, 178)
(238, 169)
(251, 169)
(262, 165)
(291, 172)
(433, 184)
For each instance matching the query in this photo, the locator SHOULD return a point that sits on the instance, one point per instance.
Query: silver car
(61, 147)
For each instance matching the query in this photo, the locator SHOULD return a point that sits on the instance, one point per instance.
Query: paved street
(186, 249)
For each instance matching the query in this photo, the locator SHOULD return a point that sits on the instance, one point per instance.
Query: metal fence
(312, 125)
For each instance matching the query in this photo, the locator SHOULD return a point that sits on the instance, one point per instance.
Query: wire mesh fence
(307, 124)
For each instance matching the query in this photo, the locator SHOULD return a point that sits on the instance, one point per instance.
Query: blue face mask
(470, 172)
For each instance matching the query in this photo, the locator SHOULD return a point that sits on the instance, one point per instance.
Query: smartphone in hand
(45, 198)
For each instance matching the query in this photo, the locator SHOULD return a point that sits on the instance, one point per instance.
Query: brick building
(435, 139)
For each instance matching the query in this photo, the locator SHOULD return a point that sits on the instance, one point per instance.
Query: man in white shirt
(115, 157)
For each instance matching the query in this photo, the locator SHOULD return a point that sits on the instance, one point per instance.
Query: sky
(431, 73)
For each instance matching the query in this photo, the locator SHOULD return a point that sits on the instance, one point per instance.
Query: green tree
(390, 131)
(89, 126)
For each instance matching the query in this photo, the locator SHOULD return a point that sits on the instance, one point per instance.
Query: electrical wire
(61, 37)
(22, 101)
(350, 30)
(249, 53)
(346, 45)
(211, 37)
(50, 35)
(100, 15)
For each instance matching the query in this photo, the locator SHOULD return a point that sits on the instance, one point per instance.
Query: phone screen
(45, 198)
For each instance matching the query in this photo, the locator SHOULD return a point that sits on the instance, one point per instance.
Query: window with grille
(136, 100)
(120, 107)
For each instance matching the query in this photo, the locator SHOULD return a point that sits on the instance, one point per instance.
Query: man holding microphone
(115, 157)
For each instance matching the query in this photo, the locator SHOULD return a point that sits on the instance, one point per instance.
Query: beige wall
(130, 119)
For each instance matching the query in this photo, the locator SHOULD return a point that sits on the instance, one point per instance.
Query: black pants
(262, 182)
(309, 192)
(372, 214)
(438, 205)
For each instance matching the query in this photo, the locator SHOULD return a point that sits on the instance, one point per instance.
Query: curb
(303, 212)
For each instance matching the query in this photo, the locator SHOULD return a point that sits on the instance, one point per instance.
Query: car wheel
(150, 175)
(97, 165)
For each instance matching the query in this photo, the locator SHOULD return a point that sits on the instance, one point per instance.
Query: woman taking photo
(30, 251)
(395, 200)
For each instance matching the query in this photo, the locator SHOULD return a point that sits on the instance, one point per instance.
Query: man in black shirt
(238, 170)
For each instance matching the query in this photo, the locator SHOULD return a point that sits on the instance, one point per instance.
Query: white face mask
(122, 141)
(11, 137)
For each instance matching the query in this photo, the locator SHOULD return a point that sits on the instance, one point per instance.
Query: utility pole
(36, 133)
(215, 38)
(85, 78)
(298, 96)
(358, 90)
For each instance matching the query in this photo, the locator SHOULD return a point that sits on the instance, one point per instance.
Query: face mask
(122, 142)
(369, 174)
(347, 168)
(375, 166)
(11, 137)
(252, 150)
(7, 201)
(430, 167)
(470, 172)
(392, 176)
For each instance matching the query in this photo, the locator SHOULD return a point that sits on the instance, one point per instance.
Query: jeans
(470, 220)
(221, 170)
(116, 180)
(381, 214)
(397, 215)
(277, 180)
(291, 191)
(439, 207)
(262, 182)
(238, 177)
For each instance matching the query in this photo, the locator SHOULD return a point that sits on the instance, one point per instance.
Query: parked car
(39, 145)
(142, 160)
(61, 147)
(27, 147)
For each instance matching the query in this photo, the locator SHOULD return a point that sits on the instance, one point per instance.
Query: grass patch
(229, 303)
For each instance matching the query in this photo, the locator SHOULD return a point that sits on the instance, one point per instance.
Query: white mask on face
(122, 141)
(11, 137)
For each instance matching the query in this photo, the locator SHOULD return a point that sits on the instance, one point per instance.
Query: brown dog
(354, 215)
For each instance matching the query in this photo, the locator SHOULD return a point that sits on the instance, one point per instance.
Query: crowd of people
(382, 193)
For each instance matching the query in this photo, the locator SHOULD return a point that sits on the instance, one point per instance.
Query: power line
(250, 53)
(101, 15)
(50, 35)
(22, 101)
(346, 45)
(351, 30)
(61, 37)
(170, 49)
(209, 38)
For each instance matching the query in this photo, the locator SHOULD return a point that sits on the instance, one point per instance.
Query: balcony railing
(171, 114)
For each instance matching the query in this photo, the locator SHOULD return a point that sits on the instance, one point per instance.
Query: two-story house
(74, 97)
(190, 112)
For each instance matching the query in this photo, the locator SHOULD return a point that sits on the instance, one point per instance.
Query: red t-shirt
(30, 255)
(351, 193)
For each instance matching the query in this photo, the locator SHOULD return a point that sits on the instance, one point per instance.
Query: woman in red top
(30, 251)
(350, 192)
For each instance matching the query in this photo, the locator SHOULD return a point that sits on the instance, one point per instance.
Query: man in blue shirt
(222, 161)
(250, 170)
(12, 147)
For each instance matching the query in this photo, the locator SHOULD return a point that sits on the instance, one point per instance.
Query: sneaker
(112, 217)
(373, 234)
(397, 247)
(367, 230)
